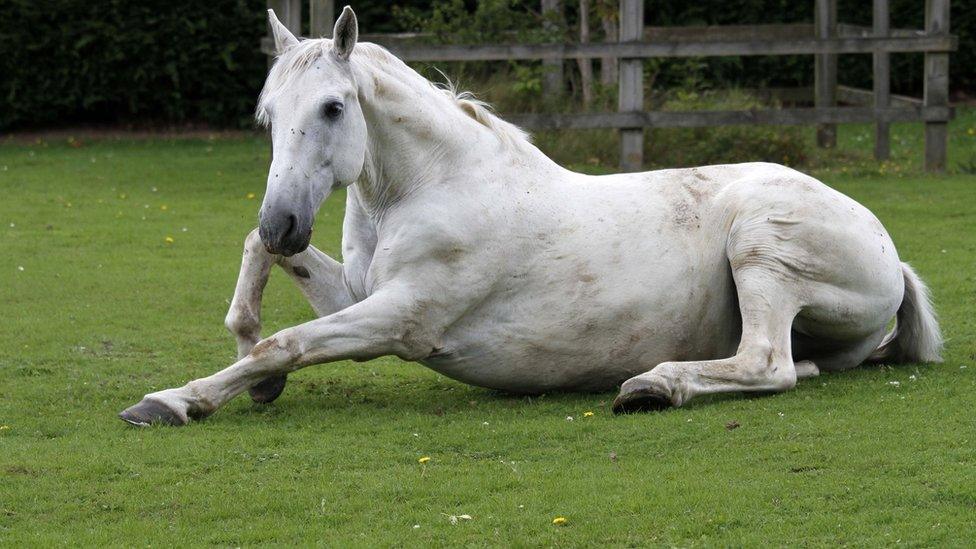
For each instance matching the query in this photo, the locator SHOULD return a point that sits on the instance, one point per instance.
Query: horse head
(318, 131)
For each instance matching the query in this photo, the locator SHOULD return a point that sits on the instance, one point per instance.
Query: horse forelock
(297, 59)
(291, 64)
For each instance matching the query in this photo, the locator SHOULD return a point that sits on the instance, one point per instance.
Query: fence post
(321, 18)
(825, 75)
(936, 86)
(631, 93)
(289, 12)
(552, 69)
(882, 80)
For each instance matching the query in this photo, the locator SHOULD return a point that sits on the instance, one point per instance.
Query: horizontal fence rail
(643, 50)
(703, 119)
(825, 39)
(673, 48)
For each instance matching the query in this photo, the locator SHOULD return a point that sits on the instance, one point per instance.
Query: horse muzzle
(285, 232)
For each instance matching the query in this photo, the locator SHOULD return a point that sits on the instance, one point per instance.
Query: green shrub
(164, 62)
(78, 61)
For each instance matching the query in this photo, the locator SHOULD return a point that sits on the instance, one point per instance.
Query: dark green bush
(125, 61)
(157, 62)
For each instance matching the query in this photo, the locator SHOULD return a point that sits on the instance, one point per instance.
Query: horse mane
(295, 60)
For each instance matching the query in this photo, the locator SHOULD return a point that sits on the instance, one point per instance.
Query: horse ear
(283, 37)
(345, 34)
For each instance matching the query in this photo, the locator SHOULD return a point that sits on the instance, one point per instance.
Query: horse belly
(593, 333)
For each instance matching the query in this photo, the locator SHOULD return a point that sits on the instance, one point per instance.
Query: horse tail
(916, 336)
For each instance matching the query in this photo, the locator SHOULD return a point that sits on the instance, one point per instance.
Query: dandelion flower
(423, 460)
(559, 521)
(250, 196)
(587, 414)
(170, 240)
(164, 207)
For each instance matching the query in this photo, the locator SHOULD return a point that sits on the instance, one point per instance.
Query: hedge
(141, 62)
(129, 61)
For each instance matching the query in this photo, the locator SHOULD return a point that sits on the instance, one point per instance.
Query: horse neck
(417, 136)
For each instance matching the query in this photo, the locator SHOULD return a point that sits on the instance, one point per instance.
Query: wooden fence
(825, 39)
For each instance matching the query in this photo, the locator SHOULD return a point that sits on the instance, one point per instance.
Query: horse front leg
(318, 276)
(383, 324)
(243, 318)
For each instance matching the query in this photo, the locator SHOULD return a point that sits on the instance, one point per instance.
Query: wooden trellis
(825, 39)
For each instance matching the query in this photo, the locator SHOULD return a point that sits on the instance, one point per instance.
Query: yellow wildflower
(587, 414)
(164, 207)
(250, 196)
(971, 131)
(5, 427)
(170, 240)
(559, 521)
(423, 460)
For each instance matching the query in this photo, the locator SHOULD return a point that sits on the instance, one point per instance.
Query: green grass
(105, 310)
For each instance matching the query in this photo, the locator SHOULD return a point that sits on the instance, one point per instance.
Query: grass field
(97, 308)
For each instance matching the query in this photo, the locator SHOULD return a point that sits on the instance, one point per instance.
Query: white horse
(468, 250)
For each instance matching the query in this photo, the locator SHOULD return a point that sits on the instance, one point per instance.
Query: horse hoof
(639, 396)
(268, 389)
(151, 412)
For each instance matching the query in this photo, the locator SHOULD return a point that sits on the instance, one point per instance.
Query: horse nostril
(291, 225)
(284, 232)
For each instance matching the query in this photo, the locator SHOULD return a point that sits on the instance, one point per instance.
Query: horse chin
(290, 252)
(288, 249)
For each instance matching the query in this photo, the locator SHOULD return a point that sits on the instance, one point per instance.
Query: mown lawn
(96, 309)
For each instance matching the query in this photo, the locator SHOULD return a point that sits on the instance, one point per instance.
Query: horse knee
(253, 243)
(243, 324)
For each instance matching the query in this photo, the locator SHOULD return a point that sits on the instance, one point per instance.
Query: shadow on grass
(392, 398)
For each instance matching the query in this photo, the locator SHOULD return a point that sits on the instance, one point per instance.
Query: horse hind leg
(763, 360)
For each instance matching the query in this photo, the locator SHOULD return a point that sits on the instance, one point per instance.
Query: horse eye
(332, 110)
